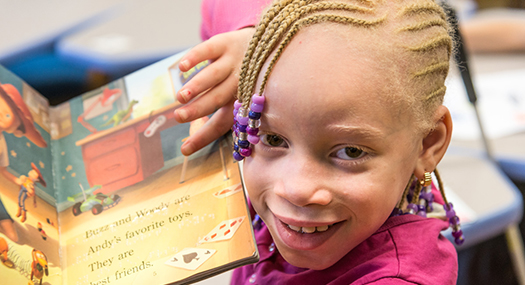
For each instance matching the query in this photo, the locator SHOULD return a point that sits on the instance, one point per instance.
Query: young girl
(340, 123)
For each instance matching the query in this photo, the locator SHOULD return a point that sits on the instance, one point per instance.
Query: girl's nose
(305, 184)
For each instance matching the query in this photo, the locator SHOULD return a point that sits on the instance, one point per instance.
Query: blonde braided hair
(420, 32)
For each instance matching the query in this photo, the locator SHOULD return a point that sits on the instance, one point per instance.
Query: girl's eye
(273, 140)
(349, 153)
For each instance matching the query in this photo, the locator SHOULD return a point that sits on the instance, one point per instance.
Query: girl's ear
(435, 144)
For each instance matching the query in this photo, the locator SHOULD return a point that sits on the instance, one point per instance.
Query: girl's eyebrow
(367, 131)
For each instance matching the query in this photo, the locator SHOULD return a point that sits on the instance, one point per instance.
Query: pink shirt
(220, 16)
(407, 249)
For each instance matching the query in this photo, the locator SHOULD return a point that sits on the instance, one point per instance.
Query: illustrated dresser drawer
(110, 143)
(113, 166)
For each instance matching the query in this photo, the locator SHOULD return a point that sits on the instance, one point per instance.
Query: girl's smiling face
(335, 155)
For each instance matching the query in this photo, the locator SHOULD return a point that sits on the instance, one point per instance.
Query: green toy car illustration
(95, 202)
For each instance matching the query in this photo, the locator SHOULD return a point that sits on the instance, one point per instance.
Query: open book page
(29, 236)
(131, 208)
(136, 210)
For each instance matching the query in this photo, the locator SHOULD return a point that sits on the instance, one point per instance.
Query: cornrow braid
(277, 27)
(425, 28)
(423, 25)
(442, 40)
(261, 28)
(427, 7)
(310, 21)
(277, 24)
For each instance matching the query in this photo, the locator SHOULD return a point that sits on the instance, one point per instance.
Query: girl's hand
(220, 78)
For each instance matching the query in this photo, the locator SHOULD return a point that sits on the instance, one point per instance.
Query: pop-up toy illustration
(39, 266)
(108, 97)
(41, 231)
(122, 115)
(27, 189)
(4, 249)
(96, 203)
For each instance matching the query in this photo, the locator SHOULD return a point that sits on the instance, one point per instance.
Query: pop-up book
(96, 190)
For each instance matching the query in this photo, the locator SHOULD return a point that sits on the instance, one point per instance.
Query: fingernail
(183, 115)
(187, 148)
(184, 64)
(185, 93)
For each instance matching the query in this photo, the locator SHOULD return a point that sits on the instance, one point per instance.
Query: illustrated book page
(131, 208)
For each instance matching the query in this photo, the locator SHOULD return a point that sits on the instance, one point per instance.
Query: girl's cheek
(258, 176)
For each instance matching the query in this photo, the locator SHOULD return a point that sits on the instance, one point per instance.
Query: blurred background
(65, 48)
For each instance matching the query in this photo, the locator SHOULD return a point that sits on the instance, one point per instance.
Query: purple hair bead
(242, 120)
(459, 240)
(241, 128)
(257, 222)
(237, 104)
(457, 234)
(256, 107)
(245, 152)
(243, 144)
(412, 208)
(254, 115)
(246, 126)
(236, 107)
(253, 139)
(252, 131)
(237, 156)
(426, 195)
(259, 100)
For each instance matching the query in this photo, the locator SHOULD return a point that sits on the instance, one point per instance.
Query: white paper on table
(501, 104)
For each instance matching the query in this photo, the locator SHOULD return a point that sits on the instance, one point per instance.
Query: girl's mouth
(306, 237)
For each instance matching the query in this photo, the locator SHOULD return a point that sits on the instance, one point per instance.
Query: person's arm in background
(501, 30)
(489, 28)
(227, 27)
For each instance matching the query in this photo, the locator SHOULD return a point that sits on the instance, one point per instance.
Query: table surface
(142, 32)
(31, 24)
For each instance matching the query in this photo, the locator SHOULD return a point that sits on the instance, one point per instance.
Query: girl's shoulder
(410, 248)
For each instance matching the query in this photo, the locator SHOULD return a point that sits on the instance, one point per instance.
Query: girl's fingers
(207, 78)
(210, 49)
(206, 104)
(217, 126)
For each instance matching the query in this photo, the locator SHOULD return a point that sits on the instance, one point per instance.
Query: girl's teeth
(295, 228)
(322, 228)
(309, 230)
